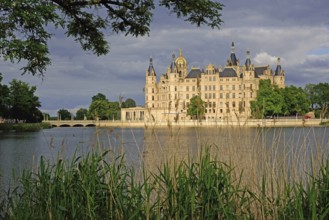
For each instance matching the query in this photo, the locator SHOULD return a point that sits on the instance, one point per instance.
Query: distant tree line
(100, 108)
(18, 102)
(290, 101)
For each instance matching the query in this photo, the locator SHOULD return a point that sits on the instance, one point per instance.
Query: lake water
(242, 147)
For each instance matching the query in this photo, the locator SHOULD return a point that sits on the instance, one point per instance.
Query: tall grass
(243, 176)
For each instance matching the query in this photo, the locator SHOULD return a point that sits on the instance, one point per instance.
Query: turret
(150, 86)
(279, 78)
(248, 61)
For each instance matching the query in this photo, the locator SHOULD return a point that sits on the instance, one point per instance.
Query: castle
(227, 91)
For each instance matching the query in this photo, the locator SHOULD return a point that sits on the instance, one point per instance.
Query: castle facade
(227, 91)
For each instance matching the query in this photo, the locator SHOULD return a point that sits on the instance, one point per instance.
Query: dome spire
(248, 61)
(234, 60)
(151, 71)
(278, 67)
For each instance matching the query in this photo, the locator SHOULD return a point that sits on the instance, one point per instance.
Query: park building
(226, 91)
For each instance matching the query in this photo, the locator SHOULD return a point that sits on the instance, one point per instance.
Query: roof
(278, 70)
(228, 72)
(260, 70)
(194, 73)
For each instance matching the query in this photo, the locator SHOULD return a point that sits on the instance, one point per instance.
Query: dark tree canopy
(81, 114)
(129, 103)
(64, 114)
(25, 24)
(20, 103)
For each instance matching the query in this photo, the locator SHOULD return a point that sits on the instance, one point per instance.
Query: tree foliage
(81, 114)
(26, 26)
(273, 101)
(64, 114)
(129, 103)
(4, 99)
(318, 95)
(101, 108)
(196, 108)
(18, 102)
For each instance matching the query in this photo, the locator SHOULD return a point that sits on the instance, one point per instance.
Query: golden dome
(181, 61)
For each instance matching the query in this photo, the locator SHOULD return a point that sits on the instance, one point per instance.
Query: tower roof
(278, 68)
(151, 71)
(248, 61)
(234, 60)
(181, 60)
(173, 66)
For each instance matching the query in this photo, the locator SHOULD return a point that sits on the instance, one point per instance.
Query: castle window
(233, 87)
(227, 87)
(206, 104)
(221, 80)
(251, 95)
(205, 111)
(239, 87)
(233, 95)
(214, 88)
(214, 104)
(233, 104)
(214, 95)
(221, 110)
(227, 95)
(193, 88)
(175, 88)
(187, 96)
(250, 86)
(214, 78)
(227, 79)
(205, 88)
(152, 90)
(221, 95)
(209, 88)
(221, 104)
(221, 87)
(209, 95)
(209, 104)
(210, 78)
(152, 97)
(187, 88)
(205, 96)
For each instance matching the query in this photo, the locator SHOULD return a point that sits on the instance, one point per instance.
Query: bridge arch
(65, 125)
(77, 125)
(90, 125)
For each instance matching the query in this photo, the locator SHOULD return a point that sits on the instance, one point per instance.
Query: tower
(278, 77)
(150, 86)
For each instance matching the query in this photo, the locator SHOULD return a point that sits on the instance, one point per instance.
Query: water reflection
(251, 150)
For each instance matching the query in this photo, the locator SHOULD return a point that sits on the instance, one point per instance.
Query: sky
(297, 31)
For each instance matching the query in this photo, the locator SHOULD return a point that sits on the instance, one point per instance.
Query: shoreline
(194, 123)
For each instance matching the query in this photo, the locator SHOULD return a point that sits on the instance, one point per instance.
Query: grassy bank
(22, 127)
(102, 186)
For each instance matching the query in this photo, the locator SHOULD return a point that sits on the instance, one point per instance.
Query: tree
(23, 104)
(196, 108)
(98, 109)
(319, 97)
(129, 103)
(4, 99)
(99, 96)
(64, 114)
(295, 101)
(114, 111)
(269, 100)
(25, 25)
(81, 114)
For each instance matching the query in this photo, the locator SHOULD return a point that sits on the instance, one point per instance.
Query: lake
(255, 150)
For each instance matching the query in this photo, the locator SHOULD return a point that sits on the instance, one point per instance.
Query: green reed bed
(24, 127)
(102, 186)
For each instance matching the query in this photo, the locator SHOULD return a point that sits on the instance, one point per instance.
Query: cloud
(296, 31)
